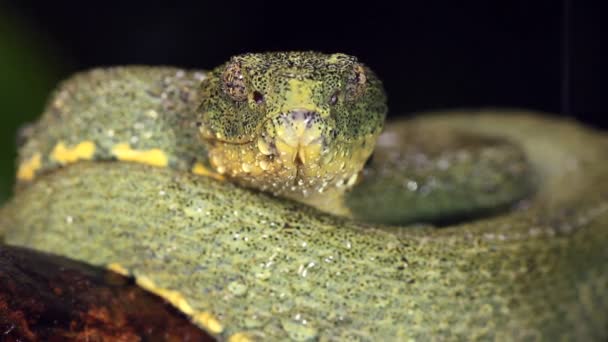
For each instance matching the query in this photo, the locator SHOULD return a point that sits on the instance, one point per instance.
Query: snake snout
(300, 135)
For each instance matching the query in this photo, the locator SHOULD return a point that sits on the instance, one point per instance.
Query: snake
(270, 198)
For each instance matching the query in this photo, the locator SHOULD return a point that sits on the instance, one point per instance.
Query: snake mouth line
(214, 138)
(264, 132)
(287, 135)
(295, 154)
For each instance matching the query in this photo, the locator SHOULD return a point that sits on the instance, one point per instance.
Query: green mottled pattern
(279, 270)
(144, 107)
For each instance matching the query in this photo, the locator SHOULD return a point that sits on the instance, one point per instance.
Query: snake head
(293, 123)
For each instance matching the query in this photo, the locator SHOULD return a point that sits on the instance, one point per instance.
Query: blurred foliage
(29, 70)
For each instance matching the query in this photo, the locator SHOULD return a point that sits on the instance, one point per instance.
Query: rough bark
(44, 297)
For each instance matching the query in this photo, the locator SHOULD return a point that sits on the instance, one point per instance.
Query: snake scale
(246, 196)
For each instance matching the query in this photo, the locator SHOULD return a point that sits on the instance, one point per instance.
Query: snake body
(246, 265)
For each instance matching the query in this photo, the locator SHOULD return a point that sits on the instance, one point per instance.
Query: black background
(543, 55)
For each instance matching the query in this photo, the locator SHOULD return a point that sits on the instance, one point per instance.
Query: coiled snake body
(195, 190)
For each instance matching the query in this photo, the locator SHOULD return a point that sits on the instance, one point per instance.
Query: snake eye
(333, 99)
(233, 82)
(356, 83)
(258, 97)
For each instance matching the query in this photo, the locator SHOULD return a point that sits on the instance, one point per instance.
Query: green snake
(267, 200)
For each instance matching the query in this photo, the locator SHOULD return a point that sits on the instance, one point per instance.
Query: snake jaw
(295, 154)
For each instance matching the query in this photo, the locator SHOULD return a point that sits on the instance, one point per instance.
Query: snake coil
(246, 265)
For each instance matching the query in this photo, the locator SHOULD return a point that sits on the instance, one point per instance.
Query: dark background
(541, 55)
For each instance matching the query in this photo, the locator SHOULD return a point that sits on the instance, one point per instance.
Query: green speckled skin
(266, 266)
(141, 106)
(274, 269)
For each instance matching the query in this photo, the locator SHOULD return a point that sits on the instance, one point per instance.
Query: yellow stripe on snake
(246, 196)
